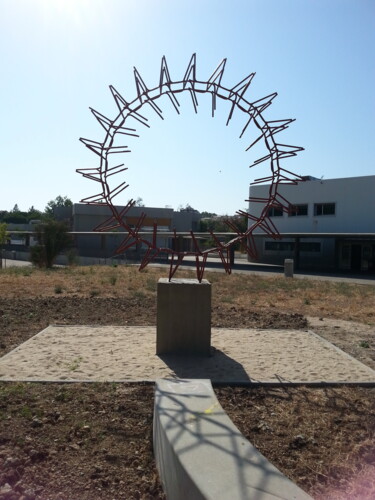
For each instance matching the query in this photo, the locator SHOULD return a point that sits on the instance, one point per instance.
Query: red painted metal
(117, 127)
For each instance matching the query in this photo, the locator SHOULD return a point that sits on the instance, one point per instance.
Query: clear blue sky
(58, 58)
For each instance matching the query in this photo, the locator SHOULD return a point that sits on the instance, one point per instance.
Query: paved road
(15, 263)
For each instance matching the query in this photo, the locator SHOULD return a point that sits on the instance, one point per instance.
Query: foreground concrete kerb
(201, 455)
(183, 317)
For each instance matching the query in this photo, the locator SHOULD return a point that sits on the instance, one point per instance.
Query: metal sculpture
(117, 127)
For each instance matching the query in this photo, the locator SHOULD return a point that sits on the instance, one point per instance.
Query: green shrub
(72, 257)
(365, 344)
(52, 238)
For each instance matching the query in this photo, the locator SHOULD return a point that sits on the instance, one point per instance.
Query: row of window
(303, 209)
(288, 246)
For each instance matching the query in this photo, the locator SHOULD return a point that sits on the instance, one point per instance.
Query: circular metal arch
(118, 127)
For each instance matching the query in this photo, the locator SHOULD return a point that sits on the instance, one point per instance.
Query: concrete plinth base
(183, 317)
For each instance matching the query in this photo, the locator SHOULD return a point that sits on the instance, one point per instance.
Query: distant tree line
(211, 222)
(219, 224)
(51, 235)
(16, 216)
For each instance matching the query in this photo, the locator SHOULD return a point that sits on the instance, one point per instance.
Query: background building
(84, 218)
(81, 220)
(330, 224)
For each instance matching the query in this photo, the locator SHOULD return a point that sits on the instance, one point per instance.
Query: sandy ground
(114, 353)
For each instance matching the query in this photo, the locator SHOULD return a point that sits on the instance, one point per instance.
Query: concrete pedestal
(183, 317)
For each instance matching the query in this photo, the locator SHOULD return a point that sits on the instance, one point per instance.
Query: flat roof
(319, 235)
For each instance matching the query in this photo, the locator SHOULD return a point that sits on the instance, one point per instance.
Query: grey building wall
(186, 220)
(87, 217)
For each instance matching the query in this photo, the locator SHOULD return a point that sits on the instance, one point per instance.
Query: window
(297, 210)
(275, 212)
(288, 246)
(324, 209)
(279, 246)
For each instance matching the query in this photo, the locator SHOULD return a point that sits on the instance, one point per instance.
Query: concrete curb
(200, 454)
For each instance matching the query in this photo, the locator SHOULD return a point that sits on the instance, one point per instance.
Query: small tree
(15, 216)
(3, 239)
(3, 233)
(139, 202)
(59, 201)
(33, 214)
(52, 238)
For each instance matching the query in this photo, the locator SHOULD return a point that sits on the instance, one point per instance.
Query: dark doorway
(356, 257)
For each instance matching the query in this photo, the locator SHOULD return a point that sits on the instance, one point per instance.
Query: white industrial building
(330, 224)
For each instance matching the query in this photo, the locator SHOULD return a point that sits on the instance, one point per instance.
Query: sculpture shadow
(218, 366)
(199, 449)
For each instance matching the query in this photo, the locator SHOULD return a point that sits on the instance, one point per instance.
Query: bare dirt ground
(94, 441)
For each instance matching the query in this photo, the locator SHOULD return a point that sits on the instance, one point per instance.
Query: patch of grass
(228, 299)
(138, 294)
(191, 275)
(12, 389)
(18, 271)
(366, 291)
(75, 363)
(344, 289)
(20, 441)
(58, 289)
(287, 284)
(113, 279)
(63, 396)
(94, 292)
(26, 412)
(99, 386)
(365, 344)
(258, 286)
(307, 301)
(72, 257)
(150, 284)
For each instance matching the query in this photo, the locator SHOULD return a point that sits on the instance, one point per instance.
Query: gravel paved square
(113, 353)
